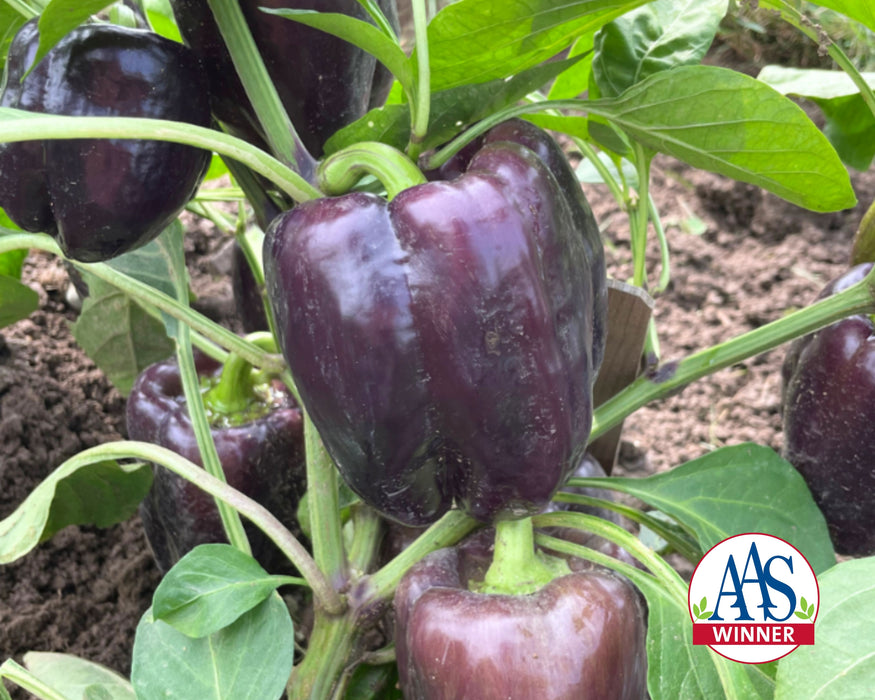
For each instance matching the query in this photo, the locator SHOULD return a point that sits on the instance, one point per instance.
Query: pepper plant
(435, 306)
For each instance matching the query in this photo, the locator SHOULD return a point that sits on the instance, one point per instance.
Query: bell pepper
(323, 82)
(100, 197)
(445, 343)
(829, 431)
(580, 636)
(260, 446)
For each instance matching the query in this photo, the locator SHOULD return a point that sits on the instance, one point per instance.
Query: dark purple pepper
(443, 342)
(829, 421)
(263, 457)
(100, 197)
(324, 82)
(580, 637)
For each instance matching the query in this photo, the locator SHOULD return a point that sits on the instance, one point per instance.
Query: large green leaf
(10, 23)
(119, 336)
(729, 123)
(250, 659)
(735, 490)
(451, 110)
(472, 41)
(76, 493)
(17, 300)
(660, 35)
(210, 587)
(77, 678)
(861, 10)
(841, 662)
(849, 123)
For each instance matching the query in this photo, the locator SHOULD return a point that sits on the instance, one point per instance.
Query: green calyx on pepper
(445, 342)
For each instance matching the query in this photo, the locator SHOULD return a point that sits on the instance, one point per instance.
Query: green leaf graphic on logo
(699, 610)
(807, 611)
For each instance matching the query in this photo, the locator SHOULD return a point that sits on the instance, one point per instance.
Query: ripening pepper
(323, 82)
(102, 197)
(261, 449)
(445, 342)
(829, 421)
(580, 637)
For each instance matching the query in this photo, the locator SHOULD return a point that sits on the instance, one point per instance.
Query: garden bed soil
(740, 258)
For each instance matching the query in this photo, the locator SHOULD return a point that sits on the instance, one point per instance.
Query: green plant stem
(420, 106)
(669, 579)
(517, 568)
(451, 528)
(260, 90)
(664, 253)
(339, 172)
(203, 434)
(234, 391)
(640, 215)
(22, 8)
(680, 543)
(18, 674)
(331, 645)
(29, 126)
(322, 494)
(367, 531)
(672, 376)
(326, 597)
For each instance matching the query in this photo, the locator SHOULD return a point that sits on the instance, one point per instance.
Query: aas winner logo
(753, 598)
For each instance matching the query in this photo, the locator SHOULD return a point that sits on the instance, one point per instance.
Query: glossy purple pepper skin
(580, 637)
(99, 197)
(263, 458)
(829, 421)
(323, 82)
(443, 342)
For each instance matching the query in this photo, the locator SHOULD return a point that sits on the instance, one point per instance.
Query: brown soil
(740, 258)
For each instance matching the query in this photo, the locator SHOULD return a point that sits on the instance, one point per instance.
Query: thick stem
(340, 171)
(420, 106)
(639, 217)
(233, 393)
(672, 376)
(517, 568)
(329, 649)
(322, 494)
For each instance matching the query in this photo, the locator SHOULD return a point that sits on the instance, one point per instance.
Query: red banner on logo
(713, 634)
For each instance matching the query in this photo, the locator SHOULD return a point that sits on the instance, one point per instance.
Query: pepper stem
(233, 392)
(339, 172)
(517, 568)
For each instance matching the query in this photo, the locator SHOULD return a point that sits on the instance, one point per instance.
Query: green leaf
(10, 23)
(77, 678)
(849, 123)
(12, 262)
(801, 615)
(729, 123)
(861, 10)
(118, 334)
(374, 683)
(101, 494)
(60, 18)
(472, 41)
(661, 35)
(841, 662)
(360, 33)
(160, 16)
(451, 110)
(572, 82)
(209, 588)
(17, 300)
(120, 337)
(250, 659)
(735, 490)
